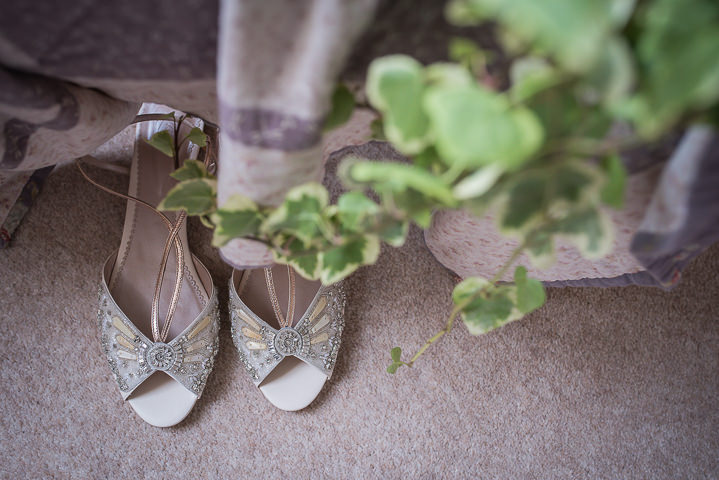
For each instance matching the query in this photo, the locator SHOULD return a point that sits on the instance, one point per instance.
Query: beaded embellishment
(315, 339)
(132, 357)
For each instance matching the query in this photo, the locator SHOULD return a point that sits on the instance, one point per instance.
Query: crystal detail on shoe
(288, 341)
(160, 356)
(188, 358)
(315, 339)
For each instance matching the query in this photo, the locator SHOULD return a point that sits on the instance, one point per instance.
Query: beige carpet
(614, 383)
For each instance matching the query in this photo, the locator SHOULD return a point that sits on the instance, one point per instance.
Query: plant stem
(176, 150)
(452, 174)
(513, 258)
(450, 323)
(461, 306)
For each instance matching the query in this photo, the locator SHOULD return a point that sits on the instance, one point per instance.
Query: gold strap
(172, 238)
(284, 322)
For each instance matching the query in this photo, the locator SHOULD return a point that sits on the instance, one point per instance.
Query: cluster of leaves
(543, 155)
(196, 191)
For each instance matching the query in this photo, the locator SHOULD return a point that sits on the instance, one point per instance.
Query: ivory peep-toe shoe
(288, 360)
(160, 367)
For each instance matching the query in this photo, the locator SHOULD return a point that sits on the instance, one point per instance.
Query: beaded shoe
(288, 360)
(161, 379)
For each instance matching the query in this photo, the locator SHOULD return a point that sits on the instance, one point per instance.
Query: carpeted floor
(600, 383)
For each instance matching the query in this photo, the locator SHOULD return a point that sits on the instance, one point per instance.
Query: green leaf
(530, 75)
(306, 261)
(340, 261)
(562, 115)
(468, 288)
(396, 177)
(611, 79)
(197, 196)
(410, 203)
(395, 233)
(394, 87)
(676, 50)
(590, 230)
(300, 214)
(477, 183)
(206, 222)
(162, 141)
(530, 292)
(613, 190)
(353, 209)
(198, 137)
(308, 265)
(620, 11)
(460, 13)
(540, 250)
(485, 314)
(189, 170)
(377, 129)
(343, 104)
(572, 32)
(238, 217)
(422, 217)
(428, 159)
(540, 195)
(467, 53)
(392, 368)
(448, 75)
(396, 354)
(485, 307)
(526, 201)
(475, 127)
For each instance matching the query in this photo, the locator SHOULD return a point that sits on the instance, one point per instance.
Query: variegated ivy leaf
(196, 196)
(292, 251)
(474, 126)
(468, 288)
(198, 137)
(300, 214)
(540, 249)
(488, 308)
(523, 204)
(590, 230)
(191, 169)
(238, 217)
(394, 87)
(162, 141)
(530, 292)
(541, 196)
(338, 262)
